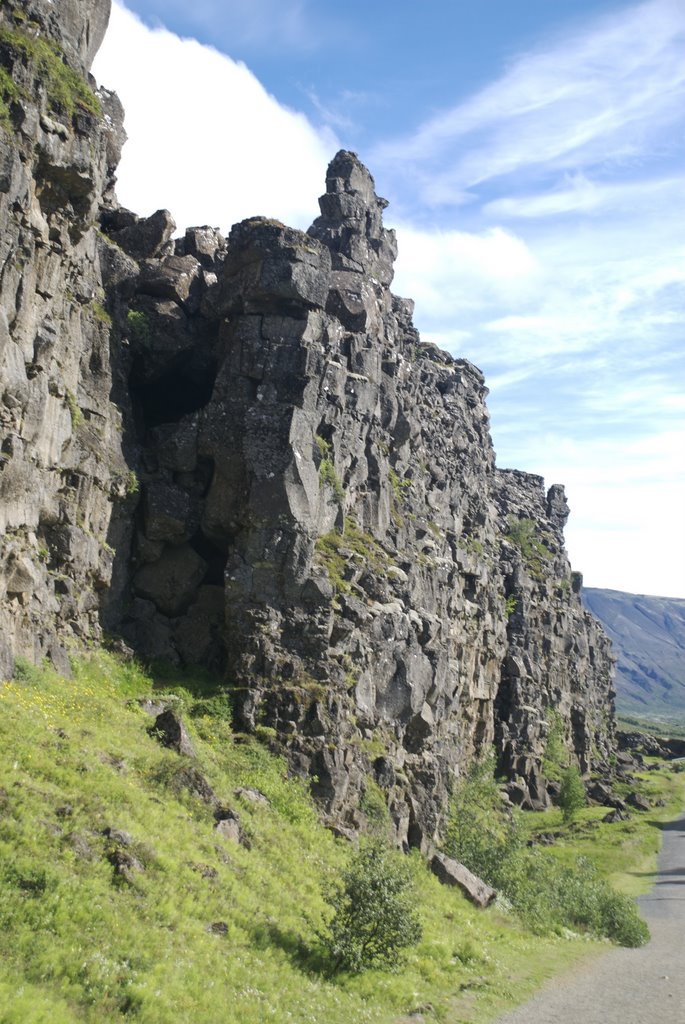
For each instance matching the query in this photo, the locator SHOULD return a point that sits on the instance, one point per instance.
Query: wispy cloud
(256, 25)
(599, 98)
(578, 193)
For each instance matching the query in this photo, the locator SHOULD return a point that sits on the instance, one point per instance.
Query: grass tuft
(66, 90)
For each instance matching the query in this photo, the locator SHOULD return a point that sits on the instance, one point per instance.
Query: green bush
(138, 326)
(477, 834)
(556, 756)
(374, 919)
(572, 792)
(523, 534)
(328, 477)
(548, 896)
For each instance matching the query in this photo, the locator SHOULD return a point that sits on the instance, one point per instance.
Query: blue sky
(532, 152)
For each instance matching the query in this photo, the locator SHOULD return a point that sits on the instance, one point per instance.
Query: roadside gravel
(628, 986)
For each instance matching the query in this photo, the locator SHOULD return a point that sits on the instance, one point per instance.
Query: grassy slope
(79, 945)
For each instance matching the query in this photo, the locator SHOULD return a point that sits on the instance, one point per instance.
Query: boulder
(176, 278)
(638, 801)
(451, 872)
(228, 826)
(613, 816)
(171, 732)
(253, 796)
(145, 237)
(600, 793)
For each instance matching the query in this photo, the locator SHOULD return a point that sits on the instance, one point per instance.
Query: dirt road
(628, 986)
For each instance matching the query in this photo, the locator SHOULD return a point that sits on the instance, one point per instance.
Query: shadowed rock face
(300, 493)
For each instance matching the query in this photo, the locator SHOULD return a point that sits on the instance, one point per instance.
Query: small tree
(374, 919)
(571, 793)
(555, 758)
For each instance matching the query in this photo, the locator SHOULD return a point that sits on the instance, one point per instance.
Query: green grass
(668, 724)
(66, 90)
(624, 852)
(101, 314)
(335, 550)
(75, 412)
(9, 93)
(80, 944)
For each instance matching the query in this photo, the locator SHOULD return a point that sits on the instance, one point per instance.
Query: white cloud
(447, 272)
(627, 500)
(206, 140)
(597, 98)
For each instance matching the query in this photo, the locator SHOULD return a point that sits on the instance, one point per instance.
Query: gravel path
(628, 986)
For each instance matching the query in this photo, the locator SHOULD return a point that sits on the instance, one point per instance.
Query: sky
(533, 156)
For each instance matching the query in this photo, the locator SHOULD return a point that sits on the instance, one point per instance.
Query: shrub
(523, 534)
(556, 754)
(572, 792)
(138, 326)
(328, 477)
(374, 919)
(547, 895)
(477, 834)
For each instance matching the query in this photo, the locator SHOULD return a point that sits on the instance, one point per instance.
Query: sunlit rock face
(238, 453)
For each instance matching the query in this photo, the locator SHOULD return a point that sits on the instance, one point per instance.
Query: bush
(374, 919)
(556, 756)
(547, 895)
(571, 793)
(478, 834)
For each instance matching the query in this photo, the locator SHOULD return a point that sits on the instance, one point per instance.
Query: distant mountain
(648, 634)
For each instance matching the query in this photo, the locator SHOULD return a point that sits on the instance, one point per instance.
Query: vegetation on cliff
(66, 89)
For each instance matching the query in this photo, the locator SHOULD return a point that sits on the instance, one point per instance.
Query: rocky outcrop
(558, 660)
(62, 466)
(300, 493)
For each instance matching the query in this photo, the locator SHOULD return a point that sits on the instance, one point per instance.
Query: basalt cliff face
(238, 453)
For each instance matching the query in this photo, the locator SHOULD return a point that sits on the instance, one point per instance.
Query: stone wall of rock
(238, 453)
(558, 658)
(61, 461)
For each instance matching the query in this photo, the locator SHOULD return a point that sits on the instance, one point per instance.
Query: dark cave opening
(169, 397)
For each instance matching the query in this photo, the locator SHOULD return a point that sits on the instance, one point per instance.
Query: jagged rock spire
(351, 221)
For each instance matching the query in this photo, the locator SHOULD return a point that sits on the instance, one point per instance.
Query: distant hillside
(649, 641)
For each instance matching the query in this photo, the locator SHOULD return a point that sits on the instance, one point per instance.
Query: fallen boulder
(451, 872)
(638, 801)
(171, 732)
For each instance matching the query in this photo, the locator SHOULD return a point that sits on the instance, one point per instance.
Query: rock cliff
(239, 453)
